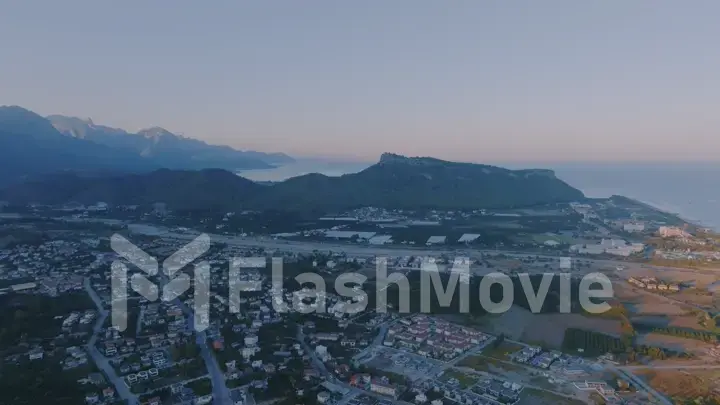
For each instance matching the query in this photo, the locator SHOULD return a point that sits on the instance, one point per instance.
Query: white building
(323, 397)
(251, 340)
(36, 355)
(468, 237)
(672, 232)
(383, 388)
(349, 234)
(205, 399)
(248, 352)
(380, 240)
(634, 227)
(436, 240)
(595, 249)
(626, 250)
(613, 242)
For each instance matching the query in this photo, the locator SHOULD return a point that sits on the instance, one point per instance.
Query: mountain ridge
(404, 183)
(175, 151)
(32, 145)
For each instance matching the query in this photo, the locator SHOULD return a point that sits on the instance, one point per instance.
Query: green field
(502, 352)
(466, 380)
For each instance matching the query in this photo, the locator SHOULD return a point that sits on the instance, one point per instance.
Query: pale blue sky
(467, 80)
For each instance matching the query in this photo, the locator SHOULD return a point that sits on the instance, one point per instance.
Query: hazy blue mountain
(30, 145)
(168, 149)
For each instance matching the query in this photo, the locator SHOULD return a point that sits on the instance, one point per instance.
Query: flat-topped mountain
(394, 182)
(405, 182)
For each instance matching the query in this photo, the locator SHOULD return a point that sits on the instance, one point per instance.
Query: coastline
(694, 202)
(653, 206)
(685, 191)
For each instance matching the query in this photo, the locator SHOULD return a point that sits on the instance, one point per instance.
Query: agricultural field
(504, 351)
(701, 279)
(532, 396)
(674, 343)
(489, 365)
(543, 329)
(465, 380)
(684, 386)
(651, 310)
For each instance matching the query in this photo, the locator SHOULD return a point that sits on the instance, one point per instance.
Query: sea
(690, 190)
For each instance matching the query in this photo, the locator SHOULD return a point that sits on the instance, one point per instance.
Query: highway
(359, 250)
(672, 367)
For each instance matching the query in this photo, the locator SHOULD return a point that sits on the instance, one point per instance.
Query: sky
(549, 80)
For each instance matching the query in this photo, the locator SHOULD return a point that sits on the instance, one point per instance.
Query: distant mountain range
(170, 150)
(33, 145)
(394, 182)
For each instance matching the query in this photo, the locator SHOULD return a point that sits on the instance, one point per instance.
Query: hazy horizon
(546, 82)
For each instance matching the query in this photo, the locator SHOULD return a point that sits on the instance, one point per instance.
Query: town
(251, 353)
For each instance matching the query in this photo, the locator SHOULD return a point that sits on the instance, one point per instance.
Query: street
(628, 375)
(221, 394)
(101, 361)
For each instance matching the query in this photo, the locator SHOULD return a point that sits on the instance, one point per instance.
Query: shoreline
(634, 193)
(693, 222)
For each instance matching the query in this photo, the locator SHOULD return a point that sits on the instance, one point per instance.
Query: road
(93, 295)
(220, 391)
(377, 341)
(624, 372)
(526, 385)
(138, 327)
(638, 382)
(380, 338)
(672, 367)
(170, 385)
(320, 367)
(101, 361)
(317, 364)
(372, 251)
(249, 398)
